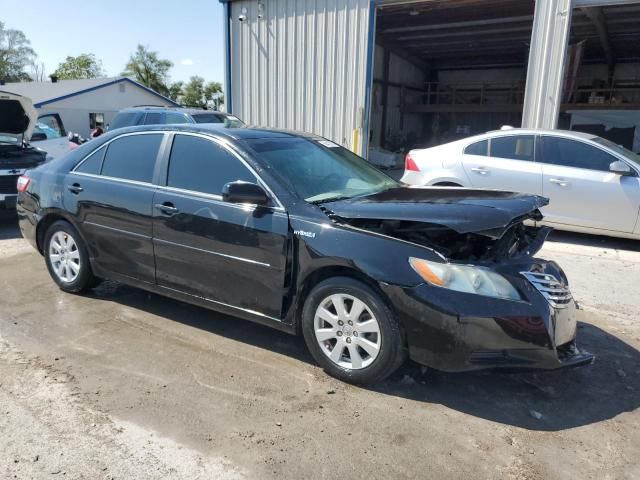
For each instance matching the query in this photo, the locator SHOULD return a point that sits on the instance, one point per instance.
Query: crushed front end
(457, 331)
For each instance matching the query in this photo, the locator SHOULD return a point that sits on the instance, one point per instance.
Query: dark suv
(172, 115)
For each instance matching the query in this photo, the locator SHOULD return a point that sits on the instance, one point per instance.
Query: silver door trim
(211, 252)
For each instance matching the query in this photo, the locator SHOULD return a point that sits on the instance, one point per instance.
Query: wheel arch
(321, 274)
(48, 219)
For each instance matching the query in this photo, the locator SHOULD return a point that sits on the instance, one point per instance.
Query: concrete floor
(120, 383)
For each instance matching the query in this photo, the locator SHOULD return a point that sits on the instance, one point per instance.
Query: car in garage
(295, 232)
(593, 184)
(17, 120)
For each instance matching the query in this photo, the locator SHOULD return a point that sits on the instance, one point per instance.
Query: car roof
(218, 130)
(156, 108)
(537, 131)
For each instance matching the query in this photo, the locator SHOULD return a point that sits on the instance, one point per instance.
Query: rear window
(514, 147)
(127, 119)
(132, 157)
(477, 148)
(227, 120)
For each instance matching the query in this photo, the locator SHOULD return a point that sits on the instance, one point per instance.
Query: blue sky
(188, 32)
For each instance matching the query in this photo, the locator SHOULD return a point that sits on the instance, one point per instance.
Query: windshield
(319, 170)
(46, 130)
(619, 149)
(228, 120)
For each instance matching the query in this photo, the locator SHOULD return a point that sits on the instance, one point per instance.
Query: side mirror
(36, 137)
(244, 192)
(621, 168)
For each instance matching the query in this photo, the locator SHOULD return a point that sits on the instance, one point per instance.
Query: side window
(92, 163)
(126, 119)
(96, 120)
(201, 165)
(52, 125)
(154, 118)
(571, 153)
(132, 157)
(173, 117)
(477, 148)
(514, 147)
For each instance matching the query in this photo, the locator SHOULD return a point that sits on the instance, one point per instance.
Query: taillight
(23, 183)
(410, 164)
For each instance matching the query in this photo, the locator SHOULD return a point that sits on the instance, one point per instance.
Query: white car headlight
(464, 278)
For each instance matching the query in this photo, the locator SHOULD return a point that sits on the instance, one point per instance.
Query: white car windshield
(619, 149)
(319, 170)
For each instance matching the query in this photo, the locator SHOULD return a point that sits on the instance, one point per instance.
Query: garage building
(397, 74)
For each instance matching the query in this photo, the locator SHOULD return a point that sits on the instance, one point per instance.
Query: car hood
(17, 115)
(486, 212)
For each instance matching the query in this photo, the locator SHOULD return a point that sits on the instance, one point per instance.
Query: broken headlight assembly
(465, 278)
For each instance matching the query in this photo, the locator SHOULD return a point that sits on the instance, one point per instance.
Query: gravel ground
(125, 384)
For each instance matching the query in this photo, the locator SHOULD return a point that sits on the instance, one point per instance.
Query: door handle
(559, 181)
(75, 188)
(167, 208)
(480, 170)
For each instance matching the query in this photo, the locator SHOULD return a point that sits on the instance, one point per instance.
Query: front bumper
(454, 331)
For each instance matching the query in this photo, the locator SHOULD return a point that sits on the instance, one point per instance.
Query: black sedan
(295, 232)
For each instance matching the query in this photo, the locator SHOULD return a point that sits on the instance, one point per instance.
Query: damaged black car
(295, 232)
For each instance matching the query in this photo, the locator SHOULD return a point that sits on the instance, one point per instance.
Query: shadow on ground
(546, 401)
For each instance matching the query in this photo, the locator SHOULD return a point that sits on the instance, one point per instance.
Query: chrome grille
(557, 294)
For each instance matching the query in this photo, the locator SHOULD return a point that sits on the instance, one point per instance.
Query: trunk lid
(17, 118)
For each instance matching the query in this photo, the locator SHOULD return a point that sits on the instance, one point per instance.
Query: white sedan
(593, 184)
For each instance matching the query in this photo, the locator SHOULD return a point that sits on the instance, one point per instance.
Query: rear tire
(351, 332)
(67, 258)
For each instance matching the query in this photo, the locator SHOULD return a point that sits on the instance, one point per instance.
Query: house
(88, 103)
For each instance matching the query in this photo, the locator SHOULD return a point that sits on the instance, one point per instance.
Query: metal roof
(42, 93)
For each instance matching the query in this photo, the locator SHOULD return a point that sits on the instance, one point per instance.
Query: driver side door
(581, 188)
(230, 254)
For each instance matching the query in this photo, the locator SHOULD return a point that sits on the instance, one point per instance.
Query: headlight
(478, 280)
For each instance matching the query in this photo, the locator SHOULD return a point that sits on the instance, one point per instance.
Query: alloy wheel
(347, 331)
(64, 256)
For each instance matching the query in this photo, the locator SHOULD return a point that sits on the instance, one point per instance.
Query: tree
(148, 69)
(213, 94)
(198, 94)
(15, 54)
(175, 91)
(83, 66)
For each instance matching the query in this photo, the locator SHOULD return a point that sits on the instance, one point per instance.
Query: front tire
(351, 332)
(67, 258)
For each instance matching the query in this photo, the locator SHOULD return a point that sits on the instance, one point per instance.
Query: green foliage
(198, 94)
(15, 54)
(148, 69)
(82, 66)
(175, 91)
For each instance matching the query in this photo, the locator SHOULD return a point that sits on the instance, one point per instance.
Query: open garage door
(445, 70)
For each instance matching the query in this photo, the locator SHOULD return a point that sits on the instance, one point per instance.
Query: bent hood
(485, 212)
(17, 115)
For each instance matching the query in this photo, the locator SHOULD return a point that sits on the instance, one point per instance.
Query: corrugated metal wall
(301, 64)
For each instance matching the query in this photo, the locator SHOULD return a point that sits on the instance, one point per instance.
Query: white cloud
(186, 61)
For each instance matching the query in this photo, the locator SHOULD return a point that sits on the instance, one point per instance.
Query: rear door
(227, 253)
(111, 193)
(504, 163)
(581, 189)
